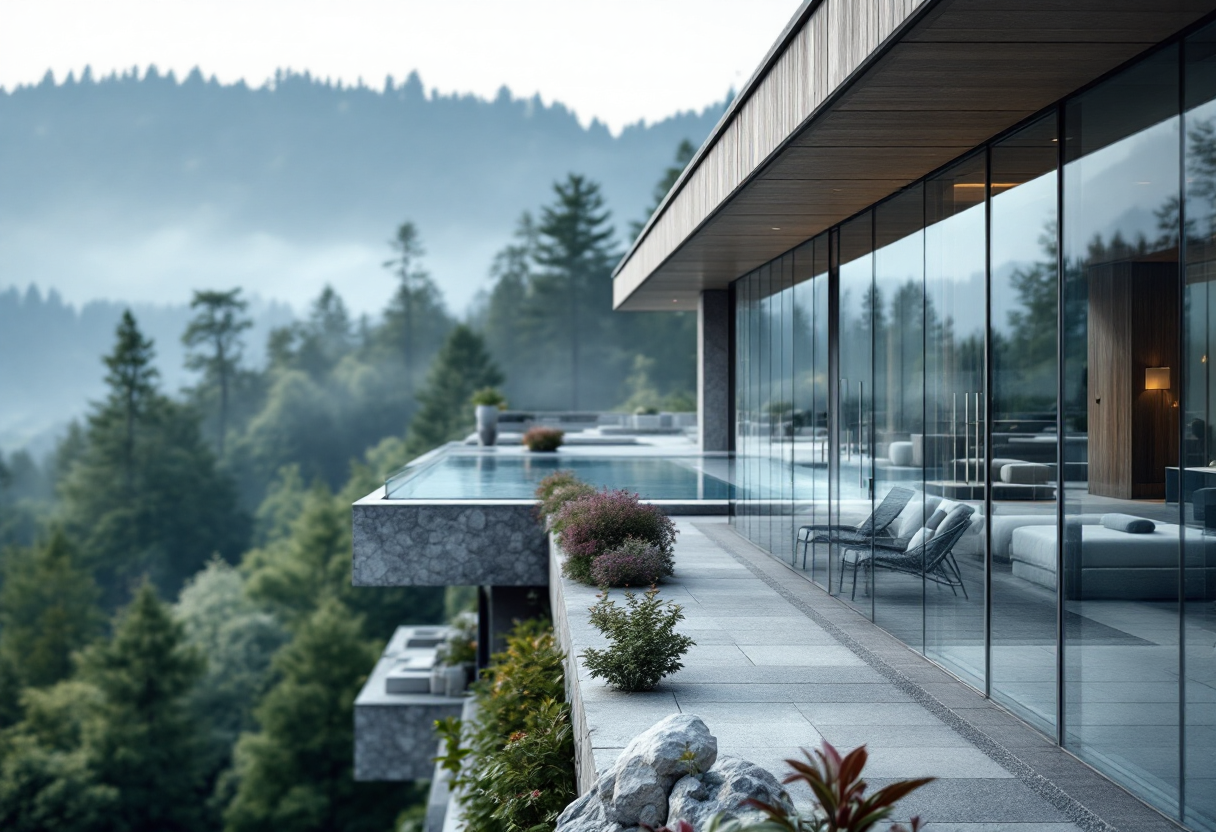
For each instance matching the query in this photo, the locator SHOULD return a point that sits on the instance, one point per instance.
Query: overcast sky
(618, 61)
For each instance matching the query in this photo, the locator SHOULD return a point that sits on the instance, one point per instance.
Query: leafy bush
(515, 765)
(643, 645)
(460, 648)
(557, 489)
(490, 396)
(597, 523)
(633, 563)
(836, 784)
(544, 439)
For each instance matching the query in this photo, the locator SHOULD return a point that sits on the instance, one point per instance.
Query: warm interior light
(775, 228)
(1157, 378)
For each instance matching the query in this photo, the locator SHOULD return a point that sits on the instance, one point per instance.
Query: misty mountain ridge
(135, 190)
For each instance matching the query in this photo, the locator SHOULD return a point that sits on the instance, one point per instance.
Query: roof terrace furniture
(1116, 565)
(932, 559)
(876, 524)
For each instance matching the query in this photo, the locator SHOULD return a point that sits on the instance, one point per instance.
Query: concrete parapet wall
(584, 759)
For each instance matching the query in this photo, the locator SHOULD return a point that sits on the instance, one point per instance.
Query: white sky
(618, 61)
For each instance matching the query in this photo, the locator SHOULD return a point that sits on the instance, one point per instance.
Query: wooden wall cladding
(830, 127)
(1133, 325)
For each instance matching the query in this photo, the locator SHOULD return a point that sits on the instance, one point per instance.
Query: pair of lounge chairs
(870, 546)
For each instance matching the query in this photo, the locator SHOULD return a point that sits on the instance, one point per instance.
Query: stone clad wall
(399, 543)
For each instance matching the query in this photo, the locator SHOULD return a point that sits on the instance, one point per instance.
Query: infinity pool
(475, 476)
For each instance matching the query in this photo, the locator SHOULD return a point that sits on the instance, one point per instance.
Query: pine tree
(141, 491)
(296, 774)
(132, 381)
(144, 742)
(461, 368)
(415, 319)
(48, 609)
(218, 326)
(574, 251)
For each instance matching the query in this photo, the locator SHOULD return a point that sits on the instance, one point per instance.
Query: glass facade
(980, 413)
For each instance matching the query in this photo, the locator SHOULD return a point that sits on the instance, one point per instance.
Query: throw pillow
(1128, 523)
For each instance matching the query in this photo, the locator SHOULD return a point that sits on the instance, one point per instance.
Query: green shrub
(515, 765)
(543, 439)
(643, 645)
(490, 396)
(557, 489)
(460, 648)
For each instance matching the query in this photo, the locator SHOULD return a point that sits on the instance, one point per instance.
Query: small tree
(461, 367)
(217, 325)
(132, 381)
(144, 742)
(643, 645)
(296, 773)
(48, 609)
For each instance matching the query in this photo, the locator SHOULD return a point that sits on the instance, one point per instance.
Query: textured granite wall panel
(394, 742)
(448, 544)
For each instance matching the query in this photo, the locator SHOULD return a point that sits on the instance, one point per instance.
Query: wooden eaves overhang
(859, 98)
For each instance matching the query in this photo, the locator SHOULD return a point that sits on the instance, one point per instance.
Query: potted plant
(487, 402)
(646, 418)
(543, 439)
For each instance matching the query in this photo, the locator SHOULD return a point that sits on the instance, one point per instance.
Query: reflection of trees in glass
(1025, 354)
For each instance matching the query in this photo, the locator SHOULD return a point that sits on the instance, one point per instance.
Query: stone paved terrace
(779, 664)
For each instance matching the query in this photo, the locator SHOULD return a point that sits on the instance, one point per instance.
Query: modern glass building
(980, 410)
(1025, 334)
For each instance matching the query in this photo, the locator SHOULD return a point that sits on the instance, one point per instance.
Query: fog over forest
(141, 188)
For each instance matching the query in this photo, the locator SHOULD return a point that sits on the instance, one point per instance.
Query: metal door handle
(861, 416)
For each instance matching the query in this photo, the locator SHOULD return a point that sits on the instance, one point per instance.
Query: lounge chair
(877, 523)
(932, 559)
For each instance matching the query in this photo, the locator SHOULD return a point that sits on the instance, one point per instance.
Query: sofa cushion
(914, 514)
(1026, 473)
(1129, 523)
(918, 539)
(935, 520)
(1101, 548)
(959, 515)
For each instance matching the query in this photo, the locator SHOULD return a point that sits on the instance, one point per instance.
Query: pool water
(515, 477)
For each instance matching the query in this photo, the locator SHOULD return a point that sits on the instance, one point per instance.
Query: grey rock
(635, 790)
(673, 747)
(722, 790)
(586, 815)
(639, 796)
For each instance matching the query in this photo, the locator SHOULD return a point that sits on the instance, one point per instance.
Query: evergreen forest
(180, 643)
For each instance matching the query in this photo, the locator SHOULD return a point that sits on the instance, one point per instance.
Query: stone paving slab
(780, 665)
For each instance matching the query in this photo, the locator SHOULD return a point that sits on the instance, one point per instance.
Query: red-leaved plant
(633, 563)
(597, 523)
(839, 790)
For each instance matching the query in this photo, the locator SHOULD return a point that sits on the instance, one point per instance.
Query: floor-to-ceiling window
(981, 413)
(1197, 447)
(897, 308)
(1023, 340)
(1120, 586)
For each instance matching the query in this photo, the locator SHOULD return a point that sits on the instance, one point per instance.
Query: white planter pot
(487, 424)
(645, 421)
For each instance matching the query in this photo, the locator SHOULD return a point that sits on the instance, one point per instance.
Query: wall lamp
(1157, 378)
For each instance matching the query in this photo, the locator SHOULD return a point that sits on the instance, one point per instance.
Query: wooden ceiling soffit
(959, 75)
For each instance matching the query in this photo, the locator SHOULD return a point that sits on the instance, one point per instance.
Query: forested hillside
(180, 643)
(140, 188)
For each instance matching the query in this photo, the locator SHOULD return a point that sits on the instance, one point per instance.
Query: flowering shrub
(633, 563)
(557, 489)
(543, 439)
(597, 523)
